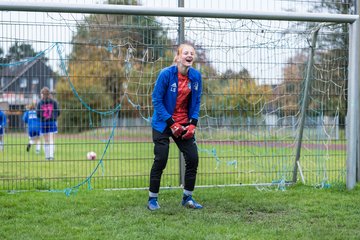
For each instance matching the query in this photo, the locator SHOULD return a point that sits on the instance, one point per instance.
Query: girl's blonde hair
(45, 91)
(31, 106)
(180, 49)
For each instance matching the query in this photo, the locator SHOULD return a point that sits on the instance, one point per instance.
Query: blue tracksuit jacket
(165, 94)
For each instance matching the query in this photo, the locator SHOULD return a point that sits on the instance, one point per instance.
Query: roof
(16, 71)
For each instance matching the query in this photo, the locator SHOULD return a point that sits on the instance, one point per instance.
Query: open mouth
(189, 60)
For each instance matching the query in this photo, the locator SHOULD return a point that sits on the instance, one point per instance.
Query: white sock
(51, 145)
(187, 193)
(38, 147)
(151, 194)
(46, 148)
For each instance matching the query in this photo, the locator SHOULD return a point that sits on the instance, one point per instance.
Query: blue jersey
(2, 119)
(2, 122)
(31, 119)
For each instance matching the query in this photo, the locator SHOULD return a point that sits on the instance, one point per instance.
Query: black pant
(161, 152)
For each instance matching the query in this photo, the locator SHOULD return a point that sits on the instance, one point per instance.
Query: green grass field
(128, 158)
(299, 212)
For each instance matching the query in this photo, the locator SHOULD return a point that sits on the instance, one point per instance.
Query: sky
(241, 44)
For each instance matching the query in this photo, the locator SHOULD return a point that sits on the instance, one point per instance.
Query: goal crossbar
(175, 12)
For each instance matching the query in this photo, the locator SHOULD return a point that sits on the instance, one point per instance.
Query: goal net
(273, 110)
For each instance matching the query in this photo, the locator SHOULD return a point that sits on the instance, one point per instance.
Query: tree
(329, 65)
(77, 117)
(115, 54)
(290, 89)
(236, 94)
(19, 52)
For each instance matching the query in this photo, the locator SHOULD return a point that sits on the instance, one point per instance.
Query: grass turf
(300, 212)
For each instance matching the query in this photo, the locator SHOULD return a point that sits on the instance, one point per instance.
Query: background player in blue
(33, 124)
(47, 110)
(2, 129)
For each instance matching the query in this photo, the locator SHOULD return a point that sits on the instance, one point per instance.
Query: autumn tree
(113, 60)
(236, 94)
(329, 68)
(17, 52)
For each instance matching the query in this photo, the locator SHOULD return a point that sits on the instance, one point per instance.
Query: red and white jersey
(181, 110)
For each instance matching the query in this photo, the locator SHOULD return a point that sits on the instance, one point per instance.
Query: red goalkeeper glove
(190, 131)
(177, 129)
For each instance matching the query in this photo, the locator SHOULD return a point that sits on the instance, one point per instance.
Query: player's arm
(25, 117)
(4, 120)
(160, 88)
(56, 108)
(195, 114)
(38, 110)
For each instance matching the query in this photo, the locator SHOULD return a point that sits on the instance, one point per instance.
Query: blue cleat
(189, 202)
(153, 204)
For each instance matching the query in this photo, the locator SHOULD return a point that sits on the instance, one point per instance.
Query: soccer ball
(91, 155)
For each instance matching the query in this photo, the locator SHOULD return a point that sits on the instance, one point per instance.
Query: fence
(266, 113)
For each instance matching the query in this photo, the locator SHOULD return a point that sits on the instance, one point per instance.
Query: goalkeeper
(176, 101)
